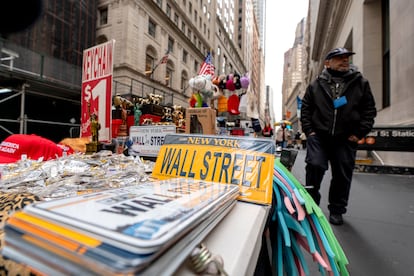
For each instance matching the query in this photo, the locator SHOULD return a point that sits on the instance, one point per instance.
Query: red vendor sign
(97, 69)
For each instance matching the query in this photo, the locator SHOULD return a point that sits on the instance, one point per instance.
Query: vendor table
(237, 239)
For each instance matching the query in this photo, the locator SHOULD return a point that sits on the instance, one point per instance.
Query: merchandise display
(121, 230)
(107, 213)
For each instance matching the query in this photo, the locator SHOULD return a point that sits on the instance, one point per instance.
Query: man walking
(338, 109)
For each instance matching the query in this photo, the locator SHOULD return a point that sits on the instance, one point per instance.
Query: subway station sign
(243, 161)
(389, 139)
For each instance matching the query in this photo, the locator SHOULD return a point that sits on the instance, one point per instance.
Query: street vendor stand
(237, 239)
(267, 195)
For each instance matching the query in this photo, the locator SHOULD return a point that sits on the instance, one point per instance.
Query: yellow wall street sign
(246, 162)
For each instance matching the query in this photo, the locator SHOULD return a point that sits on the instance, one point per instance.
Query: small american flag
(207, 67)
(164, 59)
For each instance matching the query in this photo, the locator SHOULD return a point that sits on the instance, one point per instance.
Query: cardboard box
(200, 120)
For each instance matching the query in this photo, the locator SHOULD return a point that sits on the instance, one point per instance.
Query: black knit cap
(338, 52)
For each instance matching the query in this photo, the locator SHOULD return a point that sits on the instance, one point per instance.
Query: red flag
(207, 67)
(164, 59)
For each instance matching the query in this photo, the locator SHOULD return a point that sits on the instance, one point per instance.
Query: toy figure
(137, 113)
(95, 127)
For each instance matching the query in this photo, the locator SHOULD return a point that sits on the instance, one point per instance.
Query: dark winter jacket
(356, 117)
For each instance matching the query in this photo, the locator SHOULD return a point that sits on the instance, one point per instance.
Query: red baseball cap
(35, 147)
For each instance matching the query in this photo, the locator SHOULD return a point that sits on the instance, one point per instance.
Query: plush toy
(236, 81)
(244, 81)
(202, 90)
(230, 83)
(222, 81)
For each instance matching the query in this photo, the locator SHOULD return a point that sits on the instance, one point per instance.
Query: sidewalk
(378, 234)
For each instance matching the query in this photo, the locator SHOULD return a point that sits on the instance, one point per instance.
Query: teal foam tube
(334, 254)
(301, 258)
(309, 238)
(293, 224)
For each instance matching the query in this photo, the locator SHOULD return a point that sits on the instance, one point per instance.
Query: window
(151, 27)
(189, 33)
(183, 26)
(168, 11)
(184, 82)
(223, 64)
(185, 56)
(170, 44)
(190, 8)
(196, 66)
(149, 63)
(168, 76)
(159, 3)
(195, 17)
(103, 16)
(176, 19)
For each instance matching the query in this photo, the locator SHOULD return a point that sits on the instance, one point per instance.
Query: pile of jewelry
(74, 174)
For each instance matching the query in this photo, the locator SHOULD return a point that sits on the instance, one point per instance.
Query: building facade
(40, 66)
(293, 77)
(380, 33)
(186, 30)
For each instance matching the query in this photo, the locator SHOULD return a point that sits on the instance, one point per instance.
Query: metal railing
(22, 60)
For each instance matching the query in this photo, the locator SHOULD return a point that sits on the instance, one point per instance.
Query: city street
(378, 234)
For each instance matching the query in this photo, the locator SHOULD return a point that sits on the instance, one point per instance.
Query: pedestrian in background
(282, 135)
(298, 141)
(303, 140)
(338, 109)
(267, 130)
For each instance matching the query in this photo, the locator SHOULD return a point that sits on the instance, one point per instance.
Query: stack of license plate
(129, 230)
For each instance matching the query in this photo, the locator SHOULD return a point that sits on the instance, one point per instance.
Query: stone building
(380, 33)
(186, 31)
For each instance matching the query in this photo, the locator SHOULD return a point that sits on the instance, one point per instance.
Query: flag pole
(160, 61)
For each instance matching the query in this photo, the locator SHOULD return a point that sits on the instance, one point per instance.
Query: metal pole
(22, 115)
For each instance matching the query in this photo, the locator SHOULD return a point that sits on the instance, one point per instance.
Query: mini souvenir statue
(147, 122)
(95, 127)
(94, 145)
(137, 113)
(125, 106)
(167, 115)
(155, 99)
(177, 115)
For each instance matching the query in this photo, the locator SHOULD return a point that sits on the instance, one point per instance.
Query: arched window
(150, 59)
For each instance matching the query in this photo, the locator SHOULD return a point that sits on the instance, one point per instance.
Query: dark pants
(341, 154)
